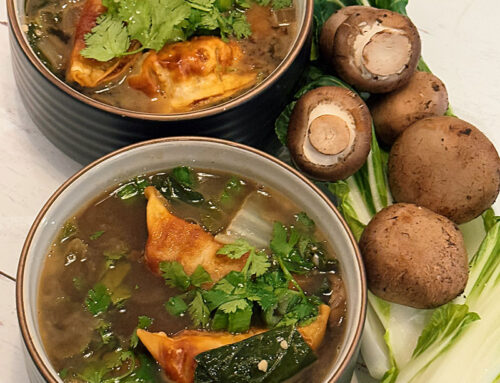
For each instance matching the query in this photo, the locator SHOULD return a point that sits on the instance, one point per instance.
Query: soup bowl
(203, 153)
(86, 129)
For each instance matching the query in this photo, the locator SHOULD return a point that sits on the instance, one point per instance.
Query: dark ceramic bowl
(86, 129)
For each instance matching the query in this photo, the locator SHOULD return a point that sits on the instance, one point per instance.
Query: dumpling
(173, 239)
(176, 354)
(193, 73)
(89, 72)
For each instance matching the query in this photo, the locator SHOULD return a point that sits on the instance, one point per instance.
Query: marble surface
(460, 44)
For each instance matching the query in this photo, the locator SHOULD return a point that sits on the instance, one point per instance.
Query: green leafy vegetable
(98, 299)
(236, 250)
(96, 235)
(280, 353)
(174, 275)
(200, 276)
(176, 306)
(232, 188)
(69, 230)
(108, 39)
(143, 323)
(154, 23)
(184, 175)
(198, 311)
(132, 188)
(172, 189)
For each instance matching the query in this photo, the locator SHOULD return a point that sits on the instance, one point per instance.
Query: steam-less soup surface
(161, 56)
(190, 275)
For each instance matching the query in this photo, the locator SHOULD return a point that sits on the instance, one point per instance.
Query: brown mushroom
(414, 256)
(423, 96)
(376, 50)
(446, 165)
(329, 133)
(331, 25)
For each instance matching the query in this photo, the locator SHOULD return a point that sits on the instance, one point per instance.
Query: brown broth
(76, 262)
(50, 26)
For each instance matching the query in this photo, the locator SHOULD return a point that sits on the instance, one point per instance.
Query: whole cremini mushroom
(331, 25)
(329, 133)
(375, 50)
(423, 96)
(446, 165)
(414, 256)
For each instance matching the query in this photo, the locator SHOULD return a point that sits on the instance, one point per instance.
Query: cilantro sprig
(264, 287)
(153, 23)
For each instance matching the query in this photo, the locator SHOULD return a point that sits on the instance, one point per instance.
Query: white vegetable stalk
(392, 332)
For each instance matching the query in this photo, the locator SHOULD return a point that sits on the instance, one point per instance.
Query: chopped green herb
(63, 373)
(153, 23)
(176, 306)
(174, 275)
(184, 175)
(304, 220)
(98, 299)
(143, 323)
(132, 188)
(198, 310)
(172, 189)
(200, 276)
(233, 187)
(96, 235)
(236, 250)
(69, 230)
(104, 329)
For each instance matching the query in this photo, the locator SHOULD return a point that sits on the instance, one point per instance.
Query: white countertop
(459, 43)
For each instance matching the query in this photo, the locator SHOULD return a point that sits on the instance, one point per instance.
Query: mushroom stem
(329, 134)
(386, 53)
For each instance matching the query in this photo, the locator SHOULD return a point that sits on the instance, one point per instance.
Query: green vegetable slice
(280, 354)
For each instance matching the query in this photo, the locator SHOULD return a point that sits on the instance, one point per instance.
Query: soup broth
(89, 332)
(169, 80)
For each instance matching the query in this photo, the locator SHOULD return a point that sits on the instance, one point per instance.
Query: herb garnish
(261, 288)
(153, 23)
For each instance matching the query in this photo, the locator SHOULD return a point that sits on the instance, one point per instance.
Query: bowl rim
(21, 315)
(301, 39)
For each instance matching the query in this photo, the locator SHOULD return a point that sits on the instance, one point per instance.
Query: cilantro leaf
(98, 299)
(304, 220)
(241, 27)
(154, 22)
(198, 310)
(236, 250)
(259, 264)
(174, 275)
(176, 306)
(184, 175)
(143, 323)
(108, 39)
(233, 306)
(200, 276)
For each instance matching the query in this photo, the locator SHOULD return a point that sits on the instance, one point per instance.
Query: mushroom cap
(446, 165)
(329, 133)
(423, 96)
(376, 51)
(329, 29)
(414, 256)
